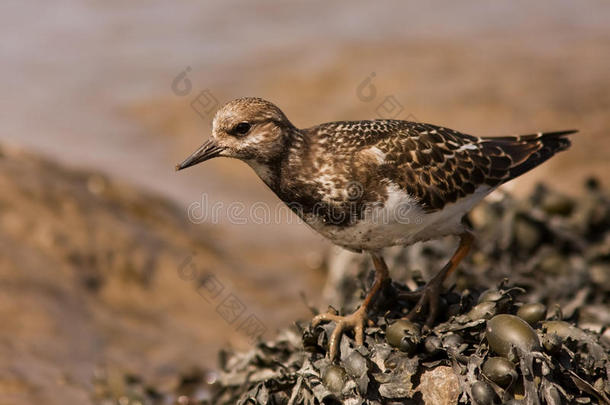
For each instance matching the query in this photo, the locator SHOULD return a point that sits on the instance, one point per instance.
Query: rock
(500, 370)
(532, 313)
(505, 332)
(439, 386)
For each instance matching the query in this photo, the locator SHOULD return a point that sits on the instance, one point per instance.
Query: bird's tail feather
(528, 151)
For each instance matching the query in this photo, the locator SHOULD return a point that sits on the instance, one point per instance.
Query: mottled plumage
(435, 165)
(333, 175)
(366, 185)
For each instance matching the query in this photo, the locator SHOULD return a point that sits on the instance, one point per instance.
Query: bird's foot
(427, 297)
(430, 295)
(354, 321)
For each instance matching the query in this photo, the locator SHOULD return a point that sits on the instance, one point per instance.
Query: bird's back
(436, 165)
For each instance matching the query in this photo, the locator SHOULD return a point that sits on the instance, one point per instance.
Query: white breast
(401, 220)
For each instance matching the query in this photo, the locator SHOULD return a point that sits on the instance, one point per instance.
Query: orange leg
(355, 320)
(430, 294)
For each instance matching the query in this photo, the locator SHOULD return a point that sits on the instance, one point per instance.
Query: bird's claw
(429, 296)
(354, 321)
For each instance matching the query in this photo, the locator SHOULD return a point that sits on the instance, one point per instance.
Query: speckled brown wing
(438, 166)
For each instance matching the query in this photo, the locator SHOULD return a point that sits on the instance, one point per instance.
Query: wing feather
(438, 166)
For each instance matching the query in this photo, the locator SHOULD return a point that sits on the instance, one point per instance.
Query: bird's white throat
(262, 170)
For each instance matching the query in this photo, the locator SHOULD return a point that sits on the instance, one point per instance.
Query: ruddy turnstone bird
(367, 185)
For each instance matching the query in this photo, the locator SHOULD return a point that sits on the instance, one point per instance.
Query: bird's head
(249, 129)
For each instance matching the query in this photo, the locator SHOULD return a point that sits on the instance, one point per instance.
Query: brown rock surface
(439, 386)
(89, 278)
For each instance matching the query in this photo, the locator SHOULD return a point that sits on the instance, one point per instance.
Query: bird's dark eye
(242, 128)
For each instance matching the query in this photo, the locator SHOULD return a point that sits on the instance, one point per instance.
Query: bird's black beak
(206, 151)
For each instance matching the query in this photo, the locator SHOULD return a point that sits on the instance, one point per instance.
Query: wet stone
(334, 378)
(505, 332)
(482, 393)
(532, 313)
(500, 370)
